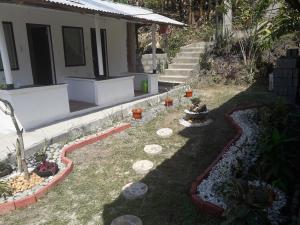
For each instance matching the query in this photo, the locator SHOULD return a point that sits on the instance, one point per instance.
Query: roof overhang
(102, 8)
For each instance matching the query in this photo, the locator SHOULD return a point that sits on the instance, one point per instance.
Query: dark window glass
(73, 46)
(11, 47)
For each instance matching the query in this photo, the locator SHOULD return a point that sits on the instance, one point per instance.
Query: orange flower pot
(137, 113)
(189, 93)
(168, 102)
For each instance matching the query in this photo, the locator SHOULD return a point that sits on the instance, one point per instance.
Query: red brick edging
(31, 199)
(205, 206)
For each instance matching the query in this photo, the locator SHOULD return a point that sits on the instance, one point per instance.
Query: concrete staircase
(185, 62)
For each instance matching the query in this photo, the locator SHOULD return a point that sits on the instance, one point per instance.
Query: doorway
(41, 54)
(95, 53)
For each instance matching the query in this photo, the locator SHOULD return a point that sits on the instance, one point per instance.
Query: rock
(164, 132)
(134, 190)
(142, 166)
(153, 149)
(127, 220)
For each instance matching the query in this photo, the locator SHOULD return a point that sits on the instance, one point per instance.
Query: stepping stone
(153, 149)
(127, 220)
(186, 123)
(164, 132)
(134, 190)
(142, 166)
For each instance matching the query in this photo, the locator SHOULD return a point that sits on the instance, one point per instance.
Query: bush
(5, 190)
(2, 86)
(5, 169)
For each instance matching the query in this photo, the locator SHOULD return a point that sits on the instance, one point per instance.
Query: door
(95, 53)
(41, 55)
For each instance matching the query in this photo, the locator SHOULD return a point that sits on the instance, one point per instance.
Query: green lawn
(91, 194)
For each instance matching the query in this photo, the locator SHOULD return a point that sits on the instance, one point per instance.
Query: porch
(36, 106)
(57, 62)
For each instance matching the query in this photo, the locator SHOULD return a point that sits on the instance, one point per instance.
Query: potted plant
(196, 110)
(189, 93)
(46, 169)
(168, 101)
(137, 113)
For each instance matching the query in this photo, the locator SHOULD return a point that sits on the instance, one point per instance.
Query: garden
(139, 173)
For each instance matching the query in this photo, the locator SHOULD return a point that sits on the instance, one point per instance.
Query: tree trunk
(20, 150)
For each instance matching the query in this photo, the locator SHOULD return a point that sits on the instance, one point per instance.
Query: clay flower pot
(188, 93)
(168, 102)
(137, 113)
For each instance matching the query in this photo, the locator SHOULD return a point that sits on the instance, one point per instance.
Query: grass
(91, 194)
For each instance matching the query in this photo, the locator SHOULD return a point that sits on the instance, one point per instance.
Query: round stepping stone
(164, 132)
(142, 166)
(186, 123)
(134, 190)
(153, 149)
(127, 220)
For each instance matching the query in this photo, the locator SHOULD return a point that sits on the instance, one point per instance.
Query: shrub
(5, 169)
(247, 203)
(46, 169)
(5, 190)
(2, 86)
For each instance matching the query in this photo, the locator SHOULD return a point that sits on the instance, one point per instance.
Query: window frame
(14, 46)
(64, 44)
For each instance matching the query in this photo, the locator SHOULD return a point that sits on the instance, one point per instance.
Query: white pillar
(154, 64)
(99, 46)
(227, 18)
(5, 59)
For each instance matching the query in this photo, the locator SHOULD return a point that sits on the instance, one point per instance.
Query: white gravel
(243, 150)
(53, 155)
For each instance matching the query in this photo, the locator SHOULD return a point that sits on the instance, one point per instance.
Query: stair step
(189, 54)
(192, 49)
(173, 78)
(178, 71)
(186, 60)
(201, 44)
(182, 65)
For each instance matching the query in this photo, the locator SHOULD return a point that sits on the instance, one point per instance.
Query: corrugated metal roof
(123, 10)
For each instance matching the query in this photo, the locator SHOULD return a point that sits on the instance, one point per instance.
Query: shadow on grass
(167, 201)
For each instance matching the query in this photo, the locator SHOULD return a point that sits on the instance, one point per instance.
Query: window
(73, 46)
(11, 47)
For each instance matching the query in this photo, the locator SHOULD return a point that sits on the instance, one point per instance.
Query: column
(5, 59)
(99, 45)
(154, 64)
(227, 18)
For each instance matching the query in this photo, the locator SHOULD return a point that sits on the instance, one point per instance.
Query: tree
(8, 109)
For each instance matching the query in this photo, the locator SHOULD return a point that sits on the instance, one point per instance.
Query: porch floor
(78, 105)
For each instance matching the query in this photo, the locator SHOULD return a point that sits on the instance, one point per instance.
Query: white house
(59, 57)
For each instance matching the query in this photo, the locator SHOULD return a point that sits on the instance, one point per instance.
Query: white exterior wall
(107, 94)
(36, 106)
(20, 15)
(81, 89)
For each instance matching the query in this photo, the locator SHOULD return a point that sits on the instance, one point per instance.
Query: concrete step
(188, 54)
(178, 71)
(186, 60)
(172, 78)
(192, 49)
(201, 44)
(182, 66)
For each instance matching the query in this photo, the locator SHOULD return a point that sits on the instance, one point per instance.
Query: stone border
(205, 206)
(31, 199)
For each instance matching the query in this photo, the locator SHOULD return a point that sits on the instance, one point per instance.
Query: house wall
(20, 15)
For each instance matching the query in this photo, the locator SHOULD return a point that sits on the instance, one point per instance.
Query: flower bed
(31, 195)
(241, 149)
